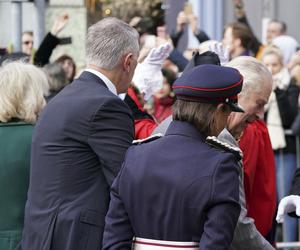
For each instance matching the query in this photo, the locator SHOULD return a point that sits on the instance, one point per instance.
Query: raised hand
(147, 76)
(60, 23)
(238, 8)
(193, 21)
(182, 20)
(221, 51)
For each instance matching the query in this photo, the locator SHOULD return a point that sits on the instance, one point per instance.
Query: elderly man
(253, 97)
(275, 29)
(79, 144)
(181, 191)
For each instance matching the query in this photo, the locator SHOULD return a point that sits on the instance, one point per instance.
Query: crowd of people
(150, 147)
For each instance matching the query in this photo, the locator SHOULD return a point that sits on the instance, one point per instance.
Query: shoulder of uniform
(216, 143)
(148, 139)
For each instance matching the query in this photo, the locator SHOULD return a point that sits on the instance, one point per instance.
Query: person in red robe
(259, 177)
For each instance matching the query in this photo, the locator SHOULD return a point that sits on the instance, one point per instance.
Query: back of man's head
(108, 41)
(256, 75)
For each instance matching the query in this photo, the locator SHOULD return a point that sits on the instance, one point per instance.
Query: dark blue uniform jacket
(176, 188)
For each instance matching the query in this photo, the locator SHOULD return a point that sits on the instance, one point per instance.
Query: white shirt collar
(108, 83)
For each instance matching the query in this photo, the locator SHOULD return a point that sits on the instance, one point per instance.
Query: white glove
(147, 76)
(221, 51)
(288, 204)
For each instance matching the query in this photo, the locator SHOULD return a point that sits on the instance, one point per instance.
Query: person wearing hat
(181, 191)
(246, 131)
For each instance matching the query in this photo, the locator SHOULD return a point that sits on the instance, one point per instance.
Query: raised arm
(50, 41)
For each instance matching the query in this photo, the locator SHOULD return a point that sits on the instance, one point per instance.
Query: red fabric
(163, 108)
(144, 126)
(259, 178)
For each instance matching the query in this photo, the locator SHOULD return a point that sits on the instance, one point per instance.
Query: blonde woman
(22, 90)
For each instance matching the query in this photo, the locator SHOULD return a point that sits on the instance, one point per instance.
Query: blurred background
(17, 16)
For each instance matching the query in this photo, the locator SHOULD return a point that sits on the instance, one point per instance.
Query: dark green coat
(15, 143)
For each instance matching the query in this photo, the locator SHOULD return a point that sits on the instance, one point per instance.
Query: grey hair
(255, 74)
(272, 50)
(108, 41)
(56, 76)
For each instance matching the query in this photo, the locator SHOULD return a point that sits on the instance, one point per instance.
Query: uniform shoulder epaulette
(148, 139)
(216, 143)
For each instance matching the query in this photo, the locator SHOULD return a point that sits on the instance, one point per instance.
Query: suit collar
(107, 82)
(185, 129)
(87, 76)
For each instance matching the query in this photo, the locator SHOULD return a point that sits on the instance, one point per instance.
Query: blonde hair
(22, 90)
(272, 50)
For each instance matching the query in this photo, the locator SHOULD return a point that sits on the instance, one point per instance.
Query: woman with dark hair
(57, 79)
(68, 65)
(164, 98)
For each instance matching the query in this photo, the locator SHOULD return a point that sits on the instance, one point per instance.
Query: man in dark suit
(181, 191)
(79, 144)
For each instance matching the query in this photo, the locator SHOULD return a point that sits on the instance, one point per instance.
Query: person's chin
(250, 120)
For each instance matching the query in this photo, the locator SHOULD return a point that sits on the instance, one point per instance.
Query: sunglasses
(27, 42)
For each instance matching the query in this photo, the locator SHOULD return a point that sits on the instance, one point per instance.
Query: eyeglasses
(27, 42)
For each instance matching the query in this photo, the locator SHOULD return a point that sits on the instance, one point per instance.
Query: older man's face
(273, 30)
(253, 103)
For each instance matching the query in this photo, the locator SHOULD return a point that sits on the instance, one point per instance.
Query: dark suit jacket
(78, 146)
(176, 188)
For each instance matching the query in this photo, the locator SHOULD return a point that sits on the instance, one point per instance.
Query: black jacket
(44, 52)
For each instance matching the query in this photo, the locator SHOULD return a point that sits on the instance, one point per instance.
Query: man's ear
(127, 62)
(219, 110)
(222, 107)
